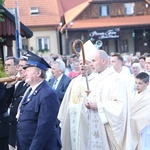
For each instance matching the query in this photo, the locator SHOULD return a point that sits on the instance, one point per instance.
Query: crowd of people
(68, 103)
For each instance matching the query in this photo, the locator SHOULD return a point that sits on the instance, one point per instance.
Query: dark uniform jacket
(3, 111)
(36, 129)
(14, 102)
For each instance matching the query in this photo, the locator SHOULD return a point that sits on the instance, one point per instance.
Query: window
(124, 46)
(104, 10)
(129, 8)
(34, 10)
(43, 44)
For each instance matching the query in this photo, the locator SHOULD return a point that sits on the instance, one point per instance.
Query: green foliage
(2, 2)
(1, 15)
(2, 70)
(1, 11)
(2, 74)
(1, 39)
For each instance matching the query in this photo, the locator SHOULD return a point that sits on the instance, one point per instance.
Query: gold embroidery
(78, 95)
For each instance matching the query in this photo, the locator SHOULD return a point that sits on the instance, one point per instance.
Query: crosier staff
(83, 56)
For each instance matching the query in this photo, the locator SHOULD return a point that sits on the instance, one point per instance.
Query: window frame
(101, 12)
(126, 8)
(43, 43)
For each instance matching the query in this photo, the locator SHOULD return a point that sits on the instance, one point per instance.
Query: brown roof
(111, 22)
(71, 14)
(48, 12)
(8, 26)
(74, 12)
(69, 4)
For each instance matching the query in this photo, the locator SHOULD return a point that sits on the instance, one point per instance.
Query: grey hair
(136, 65)
(43, 73)
(61, 65)
(16, 60)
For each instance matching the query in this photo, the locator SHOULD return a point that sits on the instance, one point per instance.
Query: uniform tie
(24, 100)
(54, 84)
(26, 97)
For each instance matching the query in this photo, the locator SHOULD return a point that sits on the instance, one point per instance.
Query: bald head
(100, 61)
(103, 55)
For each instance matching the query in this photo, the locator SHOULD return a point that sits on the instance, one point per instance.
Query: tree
(1, 19)
(2, 70)
(2, 2)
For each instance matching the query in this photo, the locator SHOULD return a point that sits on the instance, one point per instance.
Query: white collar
(59, 78)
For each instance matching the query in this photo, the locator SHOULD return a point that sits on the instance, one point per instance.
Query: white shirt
(58, 80)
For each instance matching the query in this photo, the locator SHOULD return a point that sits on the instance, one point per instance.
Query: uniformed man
(14, 94)
(38, 110)
(11, 69)
(3, 119)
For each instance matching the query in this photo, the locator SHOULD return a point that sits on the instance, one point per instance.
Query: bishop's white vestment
(111, 96)
(74, 116)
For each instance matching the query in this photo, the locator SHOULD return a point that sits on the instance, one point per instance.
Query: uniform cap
(36, 61)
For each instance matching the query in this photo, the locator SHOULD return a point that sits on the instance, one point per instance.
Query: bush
(2, 70)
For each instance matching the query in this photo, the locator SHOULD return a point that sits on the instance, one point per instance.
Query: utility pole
(18, 35)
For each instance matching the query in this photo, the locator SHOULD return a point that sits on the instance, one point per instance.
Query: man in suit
(60, 81)
(11, 69)
(38, 110)
(13, 101)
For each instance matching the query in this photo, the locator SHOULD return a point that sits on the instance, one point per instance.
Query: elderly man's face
(32, 75)
(10, 68)
(56, 72)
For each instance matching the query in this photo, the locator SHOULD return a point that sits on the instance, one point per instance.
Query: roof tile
(111, 22)
(48, 12)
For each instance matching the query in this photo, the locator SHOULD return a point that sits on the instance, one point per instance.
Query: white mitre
(89, 50)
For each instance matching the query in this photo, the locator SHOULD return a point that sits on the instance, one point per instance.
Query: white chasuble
(73, 115)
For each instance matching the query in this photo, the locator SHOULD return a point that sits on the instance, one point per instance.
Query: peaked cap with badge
(36, 61)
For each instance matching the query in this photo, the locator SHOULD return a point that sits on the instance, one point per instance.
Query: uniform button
(9, 123)
(0, 121)
(20, 113)
(14, 98)
(18, 130)
(18, 121)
